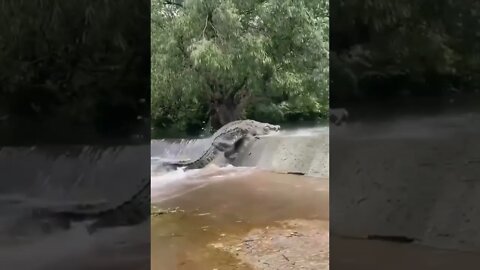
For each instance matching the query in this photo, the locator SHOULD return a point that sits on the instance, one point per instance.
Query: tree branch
(244, 100)
(234, 90)
(207, 78)
(167, 2)
(205, 28)
(241, 85)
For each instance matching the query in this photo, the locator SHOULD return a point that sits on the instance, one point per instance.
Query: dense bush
(73, 70)
(214, 61)
(404, 48)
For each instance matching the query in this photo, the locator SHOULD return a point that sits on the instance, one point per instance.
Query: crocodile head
(256, 128)
(246, 127)
(236, 135)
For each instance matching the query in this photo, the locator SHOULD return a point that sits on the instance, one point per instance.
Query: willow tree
(76, 63)
(227, 58)
(417, 45)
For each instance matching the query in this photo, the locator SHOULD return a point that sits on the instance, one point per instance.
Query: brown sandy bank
(262, 220)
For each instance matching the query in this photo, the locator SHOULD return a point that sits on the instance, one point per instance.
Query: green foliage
(256, 59)
(74, 63)
(432, 43)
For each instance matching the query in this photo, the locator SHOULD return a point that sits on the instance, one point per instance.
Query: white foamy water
(72, 249)
(176, 183)
(300, 132)
(172, 184)
(24, 246)
(412, 127)
(62, 178)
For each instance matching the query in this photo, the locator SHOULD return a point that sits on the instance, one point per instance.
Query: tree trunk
(223, 113)
(226, 109)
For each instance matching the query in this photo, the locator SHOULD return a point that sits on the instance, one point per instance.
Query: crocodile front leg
(223, 146)
(228, 149)
(232, 154)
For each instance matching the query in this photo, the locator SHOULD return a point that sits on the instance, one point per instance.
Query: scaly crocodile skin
(226, 140)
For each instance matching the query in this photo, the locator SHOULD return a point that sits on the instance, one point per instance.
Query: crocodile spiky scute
(227, 140)
(221, 143)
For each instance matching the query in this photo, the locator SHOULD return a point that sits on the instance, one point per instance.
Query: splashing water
(298, 132)
(412, 127)
(73, 245)
(176, 183)
(165, 186)
(62, 177)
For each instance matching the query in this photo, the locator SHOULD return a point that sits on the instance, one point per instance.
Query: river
(59, 177)
(219, 218)
(225, 217)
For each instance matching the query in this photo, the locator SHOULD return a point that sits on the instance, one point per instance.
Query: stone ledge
(307, 155)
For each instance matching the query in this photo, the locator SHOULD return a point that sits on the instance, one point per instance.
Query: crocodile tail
(131, 212)
(173, 165)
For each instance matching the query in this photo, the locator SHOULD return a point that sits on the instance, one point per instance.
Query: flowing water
(190, 149)
(205, 212)
(213, 205)
(379, 155)
(226, 204)
(59, 177)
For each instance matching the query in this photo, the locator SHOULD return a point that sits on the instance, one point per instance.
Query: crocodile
(228, 140)
(133, 211)
(136, 209)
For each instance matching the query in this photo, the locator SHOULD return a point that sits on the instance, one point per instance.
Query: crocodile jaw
(265, 129)
(270, 128)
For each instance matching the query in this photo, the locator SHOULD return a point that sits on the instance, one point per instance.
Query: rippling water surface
(60, 177)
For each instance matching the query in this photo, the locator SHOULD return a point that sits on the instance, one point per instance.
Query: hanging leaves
(277, 51)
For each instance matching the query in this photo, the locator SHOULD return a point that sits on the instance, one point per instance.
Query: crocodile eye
(266, 129)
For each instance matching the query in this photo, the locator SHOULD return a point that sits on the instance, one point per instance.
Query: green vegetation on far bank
(403, 49)
(74, 72)
(215, 61)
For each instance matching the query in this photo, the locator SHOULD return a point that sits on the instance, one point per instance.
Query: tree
(75, 64)
(223, 60)
(415, 47)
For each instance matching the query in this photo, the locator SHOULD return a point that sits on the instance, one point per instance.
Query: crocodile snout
(269, 128)
(274, 127)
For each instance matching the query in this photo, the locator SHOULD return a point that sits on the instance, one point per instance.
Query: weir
(224, 210)
(61, 177)
(393, 167)
(306, 154)
(302, 151)
(372, 156)
(179, 148)
(73, 172)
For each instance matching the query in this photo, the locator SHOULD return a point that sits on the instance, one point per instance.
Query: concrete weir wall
(411, 185)
(307, 154)
(73, 172)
